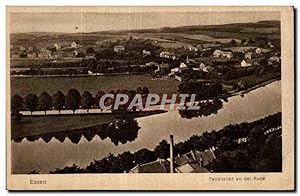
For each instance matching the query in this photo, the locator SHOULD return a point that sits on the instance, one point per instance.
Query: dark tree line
(261, 153)
(204, 90)
(38, 71)
(58, 101)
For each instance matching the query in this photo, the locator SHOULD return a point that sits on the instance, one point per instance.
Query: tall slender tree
(31, 102)
(87, 100)
(45, 102)
(73, 99)
(16, 105)
(58, 100)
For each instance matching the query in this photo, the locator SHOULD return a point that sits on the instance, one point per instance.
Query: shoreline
(245, 91)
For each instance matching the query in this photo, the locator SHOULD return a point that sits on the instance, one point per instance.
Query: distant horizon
(99, 22)
(53, 32)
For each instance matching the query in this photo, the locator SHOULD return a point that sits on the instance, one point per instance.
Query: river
(43, 157)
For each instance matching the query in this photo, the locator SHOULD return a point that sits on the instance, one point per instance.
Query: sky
(92, 22)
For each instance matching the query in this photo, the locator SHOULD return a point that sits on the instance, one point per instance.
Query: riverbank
(41, 124)
(242, 92)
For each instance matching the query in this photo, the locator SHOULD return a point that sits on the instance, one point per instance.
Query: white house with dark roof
(246, 63)
(74, 45)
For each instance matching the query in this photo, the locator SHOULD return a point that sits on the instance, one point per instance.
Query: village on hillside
(233, 61)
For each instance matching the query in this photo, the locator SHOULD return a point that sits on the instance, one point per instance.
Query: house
(58, 46)
(200, 47)
(119, 48)
(191, 168)
(182, 65)
(225, 54)
(167, 55)
(203, 67)
(191, 162)
(74, 45)
(181, 69)
(203, 158)
(246, 63)
(248, 55)
(258, 50)
(217, 53)
(22, 48)
(158, 166)
(164, 54)
(146, 53)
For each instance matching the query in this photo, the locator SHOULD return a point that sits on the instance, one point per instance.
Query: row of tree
(38, 71)
(72, 100)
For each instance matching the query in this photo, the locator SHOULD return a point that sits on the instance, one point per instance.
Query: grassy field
(36, 125)
(26, 62)
(24, 86)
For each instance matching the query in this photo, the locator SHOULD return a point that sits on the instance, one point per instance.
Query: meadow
(93, 84)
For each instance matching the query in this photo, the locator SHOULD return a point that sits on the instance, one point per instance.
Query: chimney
(171, 154)
(201, 161)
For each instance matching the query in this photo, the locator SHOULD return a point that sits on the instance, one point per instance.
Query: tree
(73, 99)
(16, 106)
(139, 90)
(162, 150)
(31, 102)
(144, 156)
(145, 91)
(45, 101)
(58, 100)
(98, 97)
(87, 100)
(233, 43)
(125, 161)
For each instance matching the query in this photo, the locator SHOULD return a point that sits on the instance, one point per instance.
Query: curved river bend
(43, 157)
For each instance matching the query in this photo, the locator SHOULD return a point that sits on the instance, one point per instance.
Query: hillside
(262, 29)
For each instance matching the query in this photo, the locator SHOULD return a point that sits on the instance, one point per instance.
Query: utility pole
(171, 154)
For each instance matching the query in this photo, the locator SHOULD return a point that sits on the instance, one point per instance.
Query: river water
(43, 157)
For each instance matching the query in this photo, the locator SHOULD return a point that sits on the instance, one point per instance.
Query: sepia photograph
(130, 91)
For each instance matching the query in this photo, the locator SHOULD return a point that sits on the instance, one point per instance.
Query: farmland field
(24, 86)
